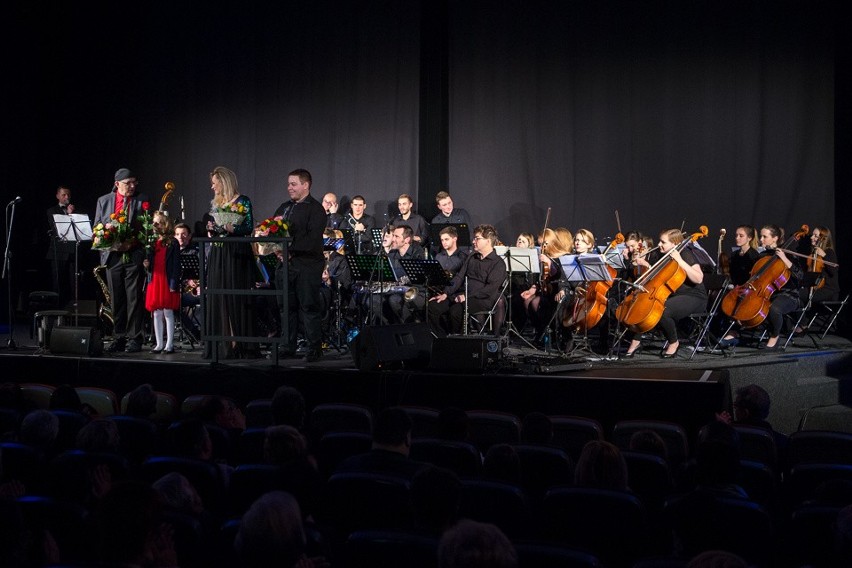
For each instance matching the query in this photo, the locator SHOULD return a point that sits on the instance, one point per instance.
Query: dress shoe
(116, 345)
(730, 342)
(671, 355)
(133, 346)
(156, 350)
(168, 351)
(631, 354)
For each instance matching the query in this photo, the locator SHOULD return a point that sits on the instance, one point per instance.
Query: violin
(590, 307)
(748, 303)
(816, 264)
(642, 308)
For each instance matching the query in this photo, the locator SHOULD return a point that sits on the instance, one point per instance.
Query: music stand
(75, 228)
(585, 268)
(331, 244)
(517, 259)
(461, 228)
(349, 241)
(376, 234)
(426, 273)
(366, 267)
(701, 255)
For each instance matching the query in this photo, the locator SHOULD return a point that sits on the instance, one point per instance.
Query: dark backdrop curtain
(716, 113)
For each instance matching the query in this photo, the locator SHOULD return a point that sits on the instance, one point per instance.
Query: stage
(807, 380)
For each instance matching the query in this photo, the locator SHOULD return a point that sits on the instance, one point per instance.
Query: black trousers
(303, 296)
(448, 316)
(125, 281)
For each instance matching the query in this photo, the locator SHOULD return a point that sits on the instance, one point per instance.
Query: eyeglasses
(133, 183)
(478, 238)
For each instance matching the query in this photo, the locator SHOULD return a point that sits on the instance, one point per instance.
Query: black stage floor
(810, 381)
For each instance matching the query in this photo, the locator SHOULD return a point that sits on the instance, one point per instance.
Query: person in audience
(272, 534)
(179, 495)
(717, 559)
(390, 450)
(843, 537)
(65, 397)
(40, 429)
(471, 544)
(131, 527)
(288, 407)
(649, 442)
(502, 463)
(142, 402)
(537, 428)
(602, 466)
(287, 448)
(99, 436)
(190, 438)
(436, 494)
(223, 412)
(453, 424)
(751, 408)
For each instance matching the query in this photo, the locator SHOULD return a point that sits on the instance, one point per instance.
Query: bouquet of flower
(271, 227)
(119, 235)
(233, 213)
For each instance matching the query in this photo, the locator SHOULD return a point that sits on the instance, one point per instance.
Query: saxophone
(105, 309)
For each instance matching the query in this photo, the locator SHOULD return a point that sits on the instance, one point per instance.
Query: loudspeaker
(76, 341)
(392, 346)
(465, 353)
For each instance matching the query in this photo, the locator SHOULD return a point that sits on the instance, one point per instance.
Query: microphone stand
(7, 271)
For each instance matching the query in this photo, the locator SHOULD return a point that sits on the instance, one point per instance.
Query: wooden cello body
(590, 307)
(641, 309)
(748, 304)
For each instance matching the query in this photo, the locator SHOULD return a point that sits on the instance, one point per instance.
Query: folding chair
(824, 318)
(492, 320)
(716, 285)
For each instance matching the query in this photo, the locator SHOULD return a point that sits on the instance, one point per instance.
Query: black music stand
(349, 241)
(517, 259)
(585, 268)
(370, 268)
(376, 234)
(425, 273)
(189, 270)
(330, 244)
(461, 228)
(74, 228)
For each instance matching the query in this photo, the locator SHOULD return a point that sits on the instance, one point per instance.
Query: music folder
(73, 227)
(519, 259)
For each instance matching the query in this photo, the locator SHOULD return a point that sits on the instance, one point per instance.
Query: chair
(102, 400)
(43, 323)
(491, 322)
(72, 469)
(532, 554)
(543, 467)
(573, 432)
(819, 446)
(38, 393)
(138, 437)
(259, 413)
(502, 504)
(423, 420)
(357, 501)
(757, 444)
(66, 521)
(250, 446)
(612, 525)
(702, 338)
(390, 548)
(489, 427)
(761, 483)
(649, 477)
(10, 420)
(811, 535)
(191, 403)
(463, 458)
(803, 481)
(335, 447)
(70, 423)
(340, 417)
(704, 520)
(674, 435)
(250, 481)
(825, 315)
(24, 463)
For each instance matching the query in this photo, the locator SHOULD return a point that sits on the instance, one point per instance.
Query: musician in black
(307, 219)
(334, 219)
(407, 216)
(60, 252)
(190, 297)
(485, 272)
(361, 224)
(398, 309)
(451, 257)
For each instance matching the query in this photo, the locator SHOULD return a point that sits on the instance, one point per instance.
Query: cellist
(689, 298)
(785, 299)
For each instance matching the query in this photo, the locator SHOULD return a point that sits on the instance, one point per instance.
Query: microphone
(16, 200)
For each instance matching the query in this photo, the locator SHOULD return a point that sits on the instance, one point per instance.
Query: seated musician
(366, 295)
(361, 225)
(398, 309)
(407, 216)
(821, 259)
(190, 296)
(337, 274)
(689, 298)
(537, 304)
(785, 299)
(448, 214)
(745, 255)
(485, 273)
(451, 257)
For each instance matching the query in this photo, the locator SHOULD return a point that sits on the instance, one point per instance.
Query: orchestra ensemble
(347, 270)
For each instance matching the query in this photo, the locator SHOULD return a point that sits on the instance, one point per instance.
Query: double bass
(748, 304)
(643, 307)
(591, 306)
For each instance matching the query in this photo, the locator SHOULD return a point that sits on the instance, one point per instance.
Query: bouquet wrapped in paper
(271, 227)
(233, 213)
(119, 235)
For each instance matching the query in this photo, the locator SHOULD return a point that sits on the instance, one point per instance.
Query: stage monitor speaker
(392, 346)
(473, 353)
(65, 340)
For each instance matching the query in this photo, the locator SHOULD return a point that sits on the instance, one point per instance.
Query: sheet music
(73, 227)
(522, 259)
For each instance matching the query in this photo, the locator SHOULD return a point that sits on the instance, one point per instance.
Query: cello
(748, 304)
(643, 307)
(591, 306)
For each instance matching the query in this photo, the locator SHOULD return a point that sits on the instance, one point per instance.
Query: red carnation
(145, 205)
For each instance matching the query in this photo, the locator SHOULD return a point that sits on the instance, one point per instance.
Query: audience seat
(489, 427)
(259, 413)
(649, 477)
(819, 446)
(66, 521)
(757, 444)
(250, 446)
(761, 483)
(26, 464)
(102, 400)
(340, 417)
(809, 540)
(167, 407)
(390, 549)
(674, 435)
(205, 476)
(70, 423)
(38, 393)
(803, 481)
(357, 501)
(138, 437)
(536, 554)
(462, 458)
(573, 432)
(502, 504)
(543, 467)
(335, 447)
(423, 420)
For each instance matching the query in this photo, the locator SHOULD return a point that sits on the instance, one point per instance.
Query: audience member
(649, 442)
(436, 494)
(502, 463)
(471, 544)
(601, 466)
(65, 397)
(142, 402)
(537, 428)
(99, 436)
(39, 429)
(453, 424)
(751, 408)
(287, 448)
(390, 450)
(288, 407)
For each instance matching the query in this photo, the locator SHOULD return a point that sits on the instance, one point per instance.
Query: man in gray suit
(125, 279)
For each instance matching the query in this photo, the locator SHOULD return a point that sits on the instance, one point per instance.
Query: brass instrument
(386, 288)
(105, 309)
(466, 314)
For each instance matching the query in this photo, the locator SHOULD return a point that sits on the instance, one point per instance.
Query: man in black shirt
(190, 290)
(451, 256)
(333, 219)
(407, 216)
(400, 310)
(485, 272)
(306, 219)
(361, 225)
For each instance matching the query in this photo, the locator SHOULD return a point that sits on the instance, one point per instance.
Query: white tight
(164, 318)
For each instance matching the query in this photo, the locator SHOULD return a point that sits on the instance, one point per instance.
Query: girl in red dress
(162, 295)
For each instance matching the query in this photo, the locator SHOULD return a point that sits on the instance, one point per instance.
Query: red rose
(273, 229)
(145, 205)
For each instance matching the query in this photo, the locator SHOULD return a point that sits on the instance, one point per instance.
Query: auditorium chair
(757, 444)
(423, 420)
(138, 437)
(503, 504)
(259, 413)
(462, 458)
(339, 417)
(819, 446)
(573, 432)
(38, 393)
(489, 427)
(102, 400)
(537, 554)
(335, 447)
(674, 435)
(167, 407)
(390, 549)
(357, 501)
